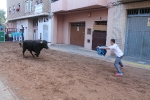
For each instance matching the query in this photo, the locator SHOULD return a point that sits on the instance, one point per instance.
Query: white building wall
(40, 29)
(30, 29)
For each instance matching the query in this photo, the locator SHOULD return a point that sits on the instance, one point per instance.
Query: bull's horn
(41, 42)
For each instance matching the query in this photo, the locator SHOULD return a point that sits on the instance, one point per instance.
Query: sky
(3, 5)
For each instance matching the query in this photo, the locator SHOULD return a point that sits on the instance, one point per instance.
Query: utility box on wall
(2, 36)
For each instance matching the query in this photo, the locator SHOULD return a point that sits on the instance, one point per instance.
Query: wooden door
(77, 34)
(99, 39)
(72, 34)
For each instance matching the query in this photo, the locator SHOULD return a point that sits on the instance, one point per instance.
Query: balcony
(38, 8)
(58, 5)
(127, 1)
(67, 5)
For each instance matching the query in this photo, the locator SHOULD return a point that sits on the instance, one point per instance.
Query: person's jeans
(117, 63)
(99, 51)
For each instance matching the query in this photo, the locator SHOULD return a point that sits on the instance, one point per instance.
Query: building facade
(129, 24)
(31, 17)
(88, 23)
(81, 23)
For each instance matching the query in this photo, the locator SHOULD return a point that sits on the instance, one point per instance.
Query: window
(26, 6)
(138, 11)
(14, 8)
(31, 5)
(18, 7)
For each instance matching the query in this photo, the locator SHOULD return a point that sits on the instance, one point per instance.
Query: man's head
(112, 41)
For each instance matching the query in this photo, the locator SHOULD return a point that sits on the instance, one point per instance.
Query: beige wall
(117, 23)
(62, 29)
(109, 27)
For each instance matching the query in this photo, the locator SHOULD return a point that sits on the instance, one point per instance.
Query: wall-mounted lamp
(100, 18)
(89, 14)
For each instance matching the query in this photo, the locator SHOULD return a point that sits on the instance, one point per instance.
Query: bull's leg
(37, 54)
(23, 51)
(31, 53)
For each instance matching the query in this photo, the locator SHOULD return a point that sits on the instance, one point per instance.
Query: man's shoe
(119, 74)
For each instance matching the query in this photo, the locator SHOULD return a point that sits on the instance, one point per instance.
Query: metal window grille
(138, 11)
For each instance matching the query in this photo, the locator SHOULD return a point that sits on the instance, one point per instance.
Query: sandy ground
(63, 76)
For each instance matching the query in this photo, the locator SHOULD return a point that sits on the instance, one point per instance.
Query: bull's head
(44, 43)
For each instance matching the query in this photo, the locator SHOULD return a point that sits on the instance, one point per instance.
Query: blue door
(138, 37)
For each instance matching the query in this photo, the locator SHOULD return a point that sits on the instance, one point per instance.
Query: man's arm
(107, 48)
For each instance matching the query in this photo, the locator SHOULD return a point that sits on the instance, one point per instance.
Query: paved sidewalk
(6, 93)
(90, 53)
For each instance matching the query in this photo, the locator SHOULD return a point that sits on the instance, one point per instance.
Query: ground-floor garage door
(77, 34)
(138, 37)
(99, 39)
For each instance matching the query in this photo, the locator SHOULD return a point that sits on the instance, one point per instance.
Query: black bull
(34, 45)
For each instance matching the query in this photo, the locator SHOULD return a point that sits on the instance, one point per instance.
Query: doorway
(77, 34)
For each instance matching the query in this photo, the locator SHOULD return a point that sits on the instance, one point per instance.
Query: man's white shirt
(115, 48)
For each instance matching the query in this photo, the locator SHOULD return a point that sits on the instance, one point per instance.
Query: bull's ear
(41, 42)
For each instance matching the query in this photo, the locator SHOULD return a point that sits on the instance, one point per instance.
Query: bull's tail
(21, 44)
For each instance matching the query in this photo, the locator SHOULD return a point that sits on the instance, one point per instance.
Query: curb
(127, 63)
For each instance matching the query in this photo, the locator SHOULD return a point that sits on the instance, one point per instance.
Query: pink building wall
(63, 24)
(62, 18)
(60, 29)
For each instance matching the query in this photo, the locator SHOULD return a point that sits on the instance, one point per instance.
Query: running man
(115, 48)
